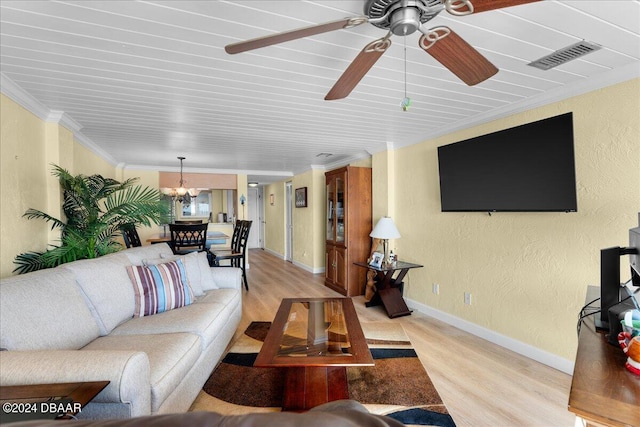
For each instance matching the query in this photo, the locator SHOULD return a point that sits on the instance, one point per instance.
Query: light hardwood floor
(481, 383)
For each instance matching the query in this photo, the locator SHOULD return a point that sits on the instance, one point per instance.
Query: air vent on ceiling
(565, 54)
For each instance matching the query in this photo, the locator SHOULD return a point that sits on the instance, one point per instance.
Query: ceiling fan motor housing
(402, 17)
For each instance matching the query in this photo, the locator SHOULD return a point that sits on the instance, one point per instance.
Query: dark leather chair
(130, 235)
(238, 252)
(187, 238)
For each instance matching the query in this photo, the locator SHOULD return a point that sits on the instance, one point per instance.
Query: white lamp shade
(385, 229)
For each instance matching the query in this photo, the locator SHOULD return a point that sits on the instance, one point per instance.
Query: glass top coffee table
(315, 339)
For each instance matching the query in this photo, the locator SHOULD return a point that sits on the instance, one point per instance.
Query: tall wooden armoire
(349, 222)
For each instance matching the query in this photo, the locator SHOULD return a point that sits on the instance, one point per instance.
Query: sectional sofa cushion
(208, 281)
(199, 262)
(171, 357)
(107, 289)
(61, 321)
(221, 296)
(137, 255)
(207, 320)
(159, 287)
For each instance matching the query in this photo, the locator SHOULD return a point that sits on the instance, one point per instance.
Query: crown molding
(11, 89)
(610, 78)
(86, 142)
(63, 119)
(347, 160)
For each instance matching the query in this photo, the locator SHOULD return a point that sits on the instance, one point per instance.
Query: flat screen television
(528, 168)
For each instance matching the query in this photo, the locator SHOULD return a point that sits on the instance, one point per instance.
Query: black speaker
(609, 283)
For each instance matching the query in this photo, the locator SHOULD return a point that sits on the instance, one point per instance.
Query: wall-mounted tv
(528, 168)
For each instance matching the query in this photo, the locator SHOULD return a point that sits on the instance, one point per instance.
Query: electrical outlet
(435, 288)
(467, 298)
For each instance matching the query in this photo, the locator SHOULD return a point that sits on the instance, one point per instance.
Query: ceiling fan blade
(457, 55)
(294, 34)
(358, 68)
(466, 7)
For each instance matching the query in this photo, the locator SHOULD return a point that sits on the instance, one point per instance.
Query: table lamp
(385, 229)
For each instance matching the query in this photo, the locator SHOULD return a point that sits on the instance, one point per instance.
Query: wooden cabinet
(349, 222)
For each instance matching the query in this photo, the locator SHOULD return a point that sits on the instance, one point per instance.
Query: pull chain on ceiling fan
(406, 101)
(402, 18)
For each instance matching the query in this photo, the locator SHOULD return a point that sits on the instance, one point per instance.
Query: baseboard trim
(297, 264)
(309, 269)
(519, 347)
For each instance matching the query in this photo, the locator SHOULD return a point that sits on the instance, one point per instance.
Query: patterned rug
(397, 386)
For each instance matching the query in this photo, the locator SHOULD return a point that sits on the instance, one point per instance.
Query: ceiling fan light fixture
(405, 21)
(400, 15)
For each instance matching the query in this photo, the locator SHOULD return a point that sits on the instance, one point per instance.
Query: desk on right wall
(603, 391)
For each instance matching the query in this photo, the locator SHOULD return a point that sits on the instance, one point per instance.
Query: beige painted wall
(274, 217)
(23, 184)
(317, 200)
(527, 272)
(86, 162)
(29, 146)
(308, 223)
(146, 178)
(303, 230)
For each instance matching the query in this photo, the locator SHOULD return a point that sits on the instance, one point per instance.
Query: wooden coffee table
(315, 339)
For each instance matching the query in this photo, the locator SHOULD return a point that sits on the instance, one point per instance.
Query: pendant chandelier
(181, 194)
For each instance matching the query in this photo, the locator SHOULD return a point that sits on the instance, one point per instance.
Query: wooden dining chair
(188, 221)
(237, 255)
(130, 235)
(187, 238)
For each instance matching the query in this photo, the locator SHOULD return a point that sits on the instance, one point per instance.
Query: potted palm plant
(95, 209)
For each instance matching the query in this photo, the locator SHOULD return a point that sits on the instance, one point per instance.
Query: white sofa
(75, 323)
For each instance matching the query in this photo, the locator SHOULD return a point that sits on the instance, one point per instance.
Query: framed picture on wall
(301, 197)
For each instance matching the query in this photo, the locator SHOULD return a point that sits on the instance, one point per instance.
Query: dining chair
(237, 255)
(188, 221)
(187, 238)
(130, 235)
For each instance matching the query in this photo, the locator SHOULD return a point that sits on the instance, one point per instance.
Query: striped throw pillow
(159, 288)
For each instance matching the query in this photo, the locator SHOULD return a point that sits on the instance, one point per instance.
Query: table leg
(393, 302)
(307, 387)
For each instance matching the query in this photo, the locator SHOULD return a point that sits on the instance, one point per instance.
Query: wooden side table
(43, 401)
(389, 292)
(603, 391)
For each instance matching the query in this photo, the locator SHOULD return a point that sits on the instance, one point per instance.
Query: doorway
(254, 202)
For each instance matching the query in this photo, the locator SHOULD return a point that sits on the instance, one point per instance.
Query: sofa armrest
(225, 277)
(127, 371)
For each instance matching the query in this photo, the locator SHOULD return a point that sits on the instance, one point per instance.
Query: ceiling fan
(401, 18)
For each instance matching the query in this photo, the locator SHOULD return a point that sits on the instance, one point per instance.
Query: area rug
(397, 386)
